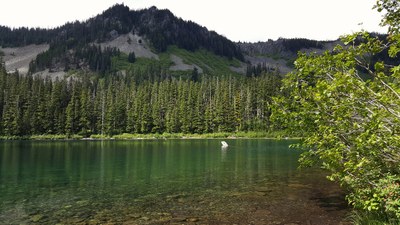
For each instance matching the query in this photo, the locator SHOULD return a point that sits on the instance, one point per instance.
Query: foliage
(368, 218)
(239, 134)
(350, 120)
(53, 137)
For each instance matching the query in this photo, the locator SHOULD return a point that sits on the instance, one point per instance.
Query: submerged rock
(179, 219)
(145, 218)
(194, 219)
(37, 218)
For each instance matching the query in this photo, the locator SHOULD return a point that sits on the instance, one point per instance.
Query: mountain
(280, 53)
(148, 43)
(99, 43)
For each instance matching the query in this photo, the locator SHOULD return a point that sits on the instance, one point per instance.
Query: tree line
(296, 44)
(259, 69)
(89, 57)
(119, 104)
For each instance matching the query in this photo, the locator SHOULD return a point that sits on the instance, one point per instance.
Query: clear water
(146, 181)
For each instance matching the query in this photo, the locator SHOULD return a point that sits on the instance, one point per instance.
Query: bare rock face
(271, 54)
(179, 65)
(269, 47)
(285, 48)
(19, 58)
(281, 53)
(130, 42)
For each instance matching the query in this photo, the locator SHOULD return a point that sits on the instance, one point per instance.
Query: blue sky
(250, 20)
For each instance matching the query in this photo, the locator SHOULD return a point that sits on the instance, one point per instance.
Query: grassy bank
(43, 137)
(199, 136)
(126, 136)
(372, 218)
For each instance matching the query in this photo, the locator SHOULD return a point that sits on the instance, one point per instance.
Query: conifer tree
(109, 113)
(199, 109)
(131, 57)
(120, 107)
(85, 112)
(12, 116)
(73, 125)
(131, 109)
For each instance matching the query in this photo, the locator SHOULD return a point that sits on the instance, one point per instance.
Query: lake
(253, 181)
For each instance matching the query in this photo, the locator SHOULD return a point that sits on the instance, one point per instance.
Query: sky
(238, 20)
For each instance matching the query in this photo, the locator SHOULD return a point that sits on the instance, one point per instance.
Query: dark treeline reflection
(138, 167)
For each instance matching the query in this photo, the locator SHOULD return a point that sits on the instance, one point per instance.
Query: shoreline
(125, 136)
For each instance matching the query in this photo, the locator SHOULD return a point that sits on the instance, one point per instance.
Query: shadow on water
(162, 182)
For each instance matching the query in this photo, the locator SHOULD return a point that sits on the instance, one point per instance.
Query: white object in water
(224, 144)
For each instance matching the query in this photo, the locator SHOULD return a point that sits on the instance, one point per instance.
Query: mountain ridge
(154, 31)
(146, 32)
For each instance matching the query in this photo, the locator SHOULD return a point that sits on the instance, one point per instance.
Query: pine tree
(209, 115)
(172, 118)
(199, 109)
(145, 111)
(131, 109)
(48, 124)
(39, 105)
(73, 117)
(157, 110)
(109, 116)
(120, 107)
(27, 108)
(238, 110)
(132, 57)
(85, 111)
(12, 116)
(3, 78)
(185, 111)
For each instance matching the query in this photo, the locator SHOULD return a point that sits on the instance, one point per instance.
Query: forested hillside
(120, 104)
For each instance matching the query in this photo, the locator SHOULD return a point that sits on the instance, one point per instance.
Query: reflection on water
(49, 182)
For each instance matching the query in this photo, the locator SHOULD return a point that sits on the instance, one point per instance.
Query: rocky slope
(18, 58)
(282, 52)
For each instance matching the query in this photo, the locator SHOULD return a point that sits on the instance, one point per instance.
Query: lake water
(162, 182)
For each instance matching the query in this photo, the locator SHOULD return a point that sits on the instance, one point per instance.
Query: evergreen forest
(122, 104)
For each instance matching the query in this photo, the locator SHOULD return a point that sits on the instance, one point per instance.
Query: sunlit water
(147, 181)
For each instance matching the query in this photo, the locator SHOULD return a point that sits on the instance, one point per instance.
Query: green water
(143, 181)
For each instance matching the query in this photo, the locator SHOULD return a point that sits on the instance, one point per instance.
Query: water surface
(161, 182)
